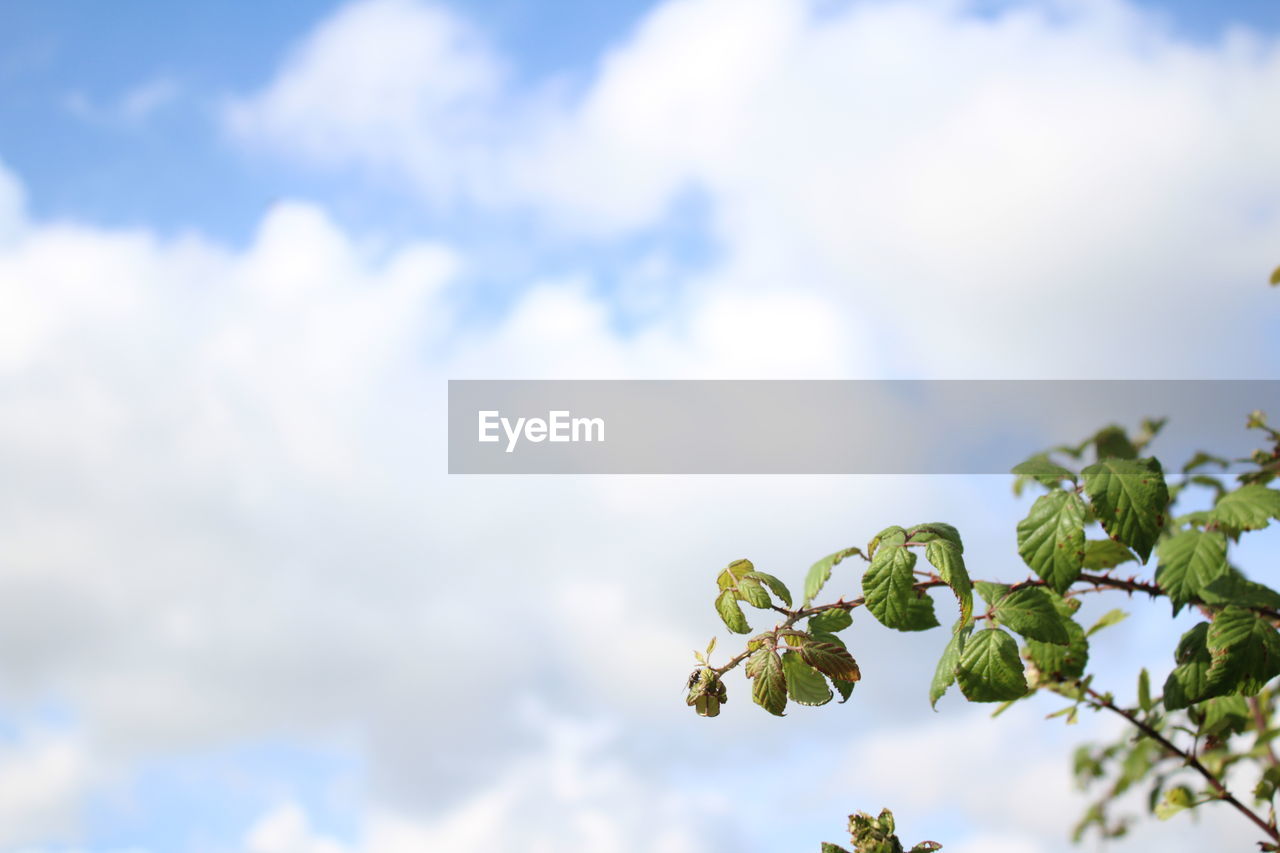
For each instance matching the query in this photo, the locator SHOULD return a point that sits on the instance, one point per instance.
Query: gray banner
(828, 427)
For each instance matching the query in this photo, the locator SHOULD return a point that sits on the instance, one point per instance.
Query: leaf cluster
(1103, 505)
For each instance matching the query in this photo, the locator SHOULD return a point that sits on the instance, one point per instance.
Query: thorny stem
(1098, 583)
(1098, 700)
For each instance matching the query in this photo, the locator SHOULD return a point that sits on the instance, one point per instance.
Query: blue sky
(179, 170)
(242, 247)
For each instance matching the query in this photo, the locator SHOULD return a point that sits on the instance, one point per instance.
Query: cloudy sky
(243, 609)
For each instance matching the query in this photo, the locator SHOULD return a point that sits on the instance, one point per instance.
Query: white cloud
(43, 773)
(225, 516)
(132, 108)
(1012, 181)
(145, 99)
(223, 521)
(572, 796)
(286, 829)
(387, 83)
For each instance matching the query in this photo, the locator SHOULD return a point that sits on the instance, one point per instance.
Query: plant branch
(1098, 700)
(1260, 723)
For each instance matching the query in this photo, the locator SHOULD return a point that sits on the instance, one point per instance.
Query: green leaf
(889, 589)
(920, 614)
(1113, 441)
(1201, 459)
(831, 621)
(820, 572)
(1129, 497)
(946, 557)
(1106, 620)
(1266, 788)
(1105, 554)
(1144, 690)
(1275, 276)
(990, 669)
(1051, 538)
(729, 577)
(935, 531)
(1030, 611)
(844, 688)
(1176, 799)
(1042, 469)
(830, 659)
(1057, 662)
(1188, 562)
(1245, 649)
(1198, 676)
(706, 693)
(1231, 587)
(991, 592)
(776, 586)
(805, 685)
(1224, 715)
(753, 593)
(731, 613)
(769, 685)
(828, 847)
(1249, 507)
(945, 674)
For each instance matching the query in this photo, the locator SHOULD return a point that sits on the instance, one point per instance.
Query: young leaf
(753, 593)
(805, 684)
(1057, 662)
(1045, 471)
(769, 685)
(1231, 587)
(1194, 679)
(706, 693)
(1188, 562)
(1246, 646)
(1030, 611)
(844, 688)
(935, 531)
(1051, 538)
(1224, 715)
(736, 570)
(991, 592)
(1144, 690)
(1105, 554)
(820, 572)
(1106, 620)
(945, 556)
(830, 659)
(1129, 497)
(776, 586)
(990, 669)
(731, 613)
(830, 621)
(888, 587)
(1249, 507)
(945, 675)
(1113, 441)
(1175, 800)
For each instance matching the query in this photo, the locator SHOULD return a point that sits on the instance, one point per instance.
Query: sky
(243, 608)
